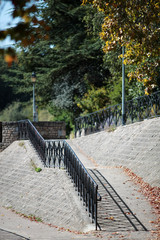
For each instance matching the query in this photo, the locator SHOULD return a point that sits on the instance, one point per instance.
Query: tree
(94, 100)
(135, 25)
(6, 91)
(71, 67)
(70, 60)
(66, 64)
(11, 83)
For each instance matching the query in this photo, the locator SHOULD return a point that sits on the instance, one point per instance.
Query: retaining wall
(51, 130)
(9, 131)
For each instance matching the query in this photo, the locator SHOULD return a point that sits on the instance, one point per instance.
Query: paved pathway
(125, 188)
(14, 227)
(10, 236)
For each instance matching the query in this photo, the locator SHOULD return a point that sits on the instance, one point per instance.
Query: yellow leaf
(10, 59)
(26, 18)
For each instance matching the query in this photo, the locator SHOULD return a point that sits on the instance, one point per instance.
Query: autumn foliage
(27, 30)
(135, 25)
(10, 58)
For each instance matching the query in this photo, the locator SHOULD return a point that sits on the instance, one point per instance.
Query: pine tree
(71, 60)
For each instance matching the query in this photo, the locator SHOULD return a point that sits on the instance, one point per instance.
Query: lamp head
(33, 77)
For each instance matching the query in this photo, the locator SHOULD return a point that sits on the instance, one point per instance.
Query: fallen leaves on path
(152, 194)
(110, 218)
(37, 219)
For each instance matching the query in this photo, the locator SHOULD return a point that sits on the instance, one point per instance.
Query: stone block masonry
(9, 131)
(51, 130)
(135, 146)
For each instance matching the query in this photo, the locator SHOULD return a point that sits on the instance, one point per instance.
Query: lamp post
(123, 89)
(33, 79)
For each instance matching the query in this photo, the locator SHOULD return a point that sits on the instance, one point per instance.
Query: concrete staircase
(48, 195)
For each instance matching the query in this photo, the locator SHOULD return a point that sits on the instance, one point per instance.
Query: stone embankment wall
(135, 146)
(51, 130)
(9, 131)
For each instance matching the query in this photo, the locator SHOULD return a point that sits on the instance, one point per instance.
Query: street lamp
(33, 79)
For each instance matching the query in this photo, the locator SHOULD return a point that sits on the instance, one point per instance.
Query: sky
(6, 21)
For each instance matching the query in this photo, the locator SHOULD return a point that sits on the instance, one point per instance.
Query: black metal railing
(58, 153)
(23, 129)
(54, 153)
(28, 131)
(83, 182)
(136, 109)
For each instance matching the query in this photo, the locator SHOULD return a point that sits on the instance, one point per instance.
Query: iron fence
(22, 129)
(58, 153)
(28, 131)
(144, 107)
(137, 109)
(83, 182)
(54, 153)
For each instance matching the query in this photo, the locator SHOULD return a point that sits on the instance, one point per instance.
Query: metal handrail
(28, 131)
(136, 109)
(83, 182)
(99, 196)
(37, 140)
(53, 151)
(99, 111)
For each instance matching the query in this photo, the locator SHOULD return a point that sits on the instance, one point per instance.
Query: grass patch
(10, 207)
(37, 169)
(30, 217)
(34, 218)
(21, 144)
(63, 168)
(111, 129)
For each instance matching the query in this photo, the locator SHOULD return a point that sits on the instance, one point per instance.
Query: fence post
(123, 89)
(95, 206)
